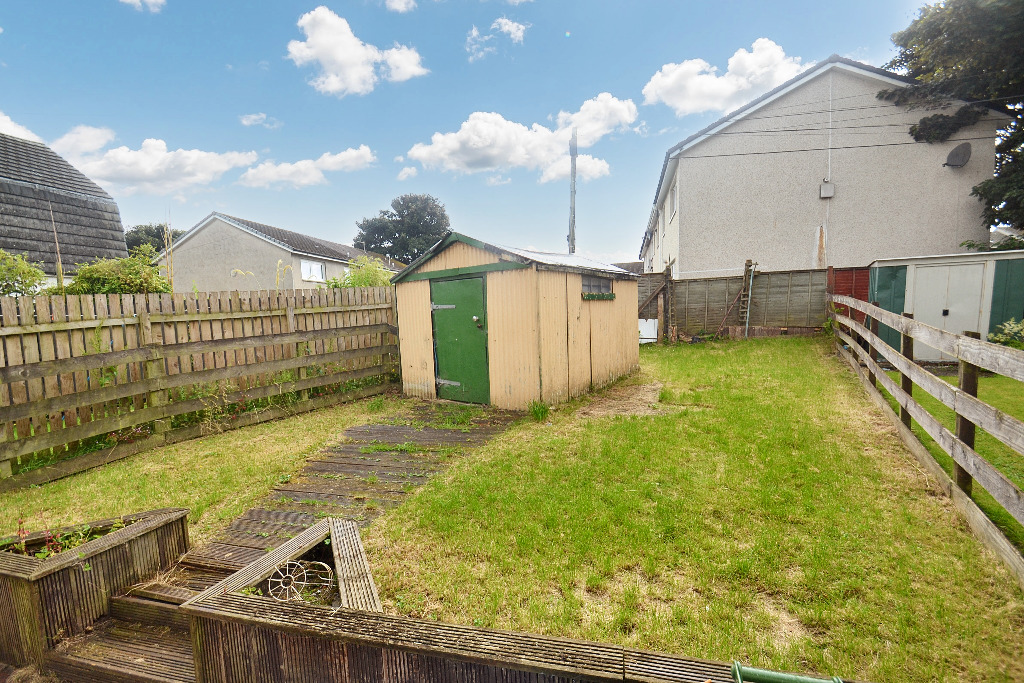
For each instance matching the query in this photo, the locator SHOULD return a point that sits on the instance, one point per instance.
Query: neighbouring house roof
(632, 266)
(833, 62)
(294, 242)
(41, 193)
(542, 259)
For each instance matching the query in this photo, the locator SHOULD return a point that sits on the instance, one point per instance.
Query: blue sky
(312, 116)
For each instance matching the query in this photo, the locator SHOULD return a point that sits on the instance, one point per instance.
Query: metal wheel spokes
(295, 580)
(319, 580)
(288, 581)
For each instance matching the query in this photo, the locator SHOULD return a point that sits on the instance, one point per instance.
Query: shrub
(1010, 333)
(365, 272)
(18, 277)
(133, 275)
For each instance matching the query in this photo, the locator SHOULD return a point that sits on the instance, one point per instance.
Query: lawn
(767, 513)
(1007, 395)
(217, 477)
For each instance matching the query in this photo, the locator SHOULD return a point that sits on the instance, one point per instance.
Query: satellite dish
(959, 155)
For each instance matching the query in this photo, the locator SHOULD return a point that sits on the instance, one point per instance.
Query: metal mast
(572, 192)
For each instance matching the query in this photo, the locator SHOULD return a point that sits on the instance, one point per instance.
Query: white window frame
(307, 271)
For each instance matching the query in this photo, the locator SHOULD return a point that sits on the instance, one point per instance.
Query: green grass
(768, 514)
(1005, 394)
(217, 477)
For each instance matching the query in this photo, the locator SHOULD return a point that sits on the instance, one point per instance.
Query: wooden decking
(358, 479)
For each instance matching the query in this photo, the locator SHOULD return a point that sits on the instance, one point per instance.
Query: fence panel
(86, 373)
(781, 299)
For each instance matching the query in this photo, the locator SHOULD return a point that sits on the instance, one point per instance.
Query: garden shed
(481, 323)
(974, 292)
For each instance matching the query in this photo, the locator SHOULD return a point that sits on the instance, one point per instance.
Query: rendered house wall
(745, 193)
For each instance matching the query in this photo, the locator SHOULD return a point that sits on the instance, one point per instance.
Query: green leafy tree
(150, 233)
(364, 272)
(971, 50)
(135, 274)
(413, 224)
(1006, 244)
(18, 277)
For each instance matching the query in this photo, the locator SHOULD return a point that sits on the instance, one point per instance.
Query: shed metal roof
(543, 259)
(42, 194)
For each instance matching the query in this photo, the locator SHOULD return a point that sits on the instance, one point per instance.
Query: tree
(971, 50)
(364, 272)
(414, 223)
(18, 277)
(133, 275)
(150, 233)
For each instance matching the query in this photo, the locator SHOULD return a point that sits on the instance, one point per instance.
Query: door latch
(438, 307)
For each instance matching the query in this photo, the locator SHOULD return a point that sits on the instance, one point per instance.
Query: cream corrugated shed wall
(416, 338)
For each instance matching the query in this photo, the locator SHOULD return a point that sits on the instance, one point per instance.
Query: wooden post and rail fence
(971, 353)
(105, 376)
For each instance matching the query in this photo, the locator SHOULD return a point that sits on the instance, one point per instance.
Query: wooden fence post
(872, 323)
(153, 369)
(299, 350)
(5, 465)
(968, 376)
(907, 349)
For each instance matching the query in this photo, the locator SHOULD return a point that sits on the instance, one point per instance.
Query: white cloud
(487, 142)
(307, 171)
(152, 168)
(9, 127)
(512, 29)
(518, 2)
(260, 119)
(407, 172)
(82, 140)
(694, 86)
(400, 6)
(151, 5)
(348, 66)
(496, 180)
(476, 45)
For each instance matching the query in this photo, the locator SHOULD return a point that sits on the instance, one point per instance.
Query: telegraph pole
(572, 192)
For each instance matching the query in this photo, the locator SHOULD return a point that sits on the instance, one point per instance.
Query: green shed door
(1007, 293)
(460, 339)
(888, 286)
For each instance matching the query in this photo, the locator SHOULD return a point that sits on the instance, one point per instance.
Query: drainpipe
(750, 291)
(748, 674)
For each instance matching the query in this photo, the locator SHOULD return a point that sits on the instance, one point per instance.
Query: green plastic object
(748, 674)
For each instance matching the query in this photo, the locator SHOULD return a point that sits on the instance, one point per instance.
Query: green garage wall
(1007, 293)
(888, 286)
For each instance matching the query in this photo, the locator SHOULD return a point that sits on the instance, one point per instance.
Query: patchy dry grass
(766, 512)
(217, 477)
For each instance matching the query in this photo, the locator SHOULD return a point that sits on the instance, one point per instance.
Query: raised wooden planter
(45, 600)
(238, 637)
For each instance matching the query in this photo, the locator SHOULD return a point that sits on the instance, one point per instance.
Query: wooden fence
(789, 299)
(972, 354)
(109, 375)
